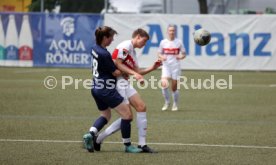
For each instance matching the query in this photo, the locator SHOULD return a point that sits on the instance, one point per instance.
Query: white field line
(165, 144)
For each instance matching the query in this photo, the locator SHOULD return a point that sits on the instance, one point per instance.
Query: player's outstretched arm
(156, 64)
(122, 67)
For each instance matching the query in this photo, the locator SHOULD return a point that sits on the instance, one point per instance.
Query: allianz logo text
(228, 44)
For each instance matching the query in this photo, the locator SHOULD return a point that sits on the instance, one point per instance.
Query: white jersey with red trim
(126, 52)
(171, 49)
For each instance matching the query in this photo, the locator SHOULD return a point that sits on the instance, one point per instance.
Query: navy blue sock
(100, 122)
(126, 130)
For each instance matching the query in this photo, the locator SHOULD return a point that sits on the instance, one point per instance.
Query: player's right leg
(141, 121)
(126, 115)
(165, 77)
(165, 92)
(124, 111)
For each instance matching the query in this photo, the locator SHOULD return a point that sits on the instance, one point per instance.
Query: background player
(171, 51)
(104, 91)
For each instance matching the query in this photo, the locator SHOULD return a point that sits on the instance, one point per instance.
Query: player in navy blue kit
(104, 92)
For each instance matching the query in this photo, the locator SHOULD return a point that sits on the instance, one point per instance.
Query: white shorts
(125, 89)
(171, 72)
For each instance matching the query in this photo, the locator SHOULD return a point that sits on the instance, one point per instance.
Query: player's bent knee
(127, 116)
(141, 108)
(174, 89)
(106, 115)
(174, 85)
(165, 83)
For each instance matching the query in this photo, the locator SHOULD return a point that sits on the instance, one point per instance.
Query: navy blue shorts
(106, 98)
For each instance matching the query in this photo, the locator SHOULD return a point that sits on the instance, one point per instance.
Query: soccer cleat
(174, 107)
(132, 149)
(97, 146)
(165, 107)
(147, 149)
(88, 142)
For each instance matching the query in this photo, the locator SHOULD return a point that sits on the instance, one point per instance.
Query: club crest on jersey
(125, 52)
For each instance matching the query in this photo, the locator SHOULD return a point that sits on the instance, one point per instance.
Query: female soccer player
(171, 51)
(104, 91)
(125, 59)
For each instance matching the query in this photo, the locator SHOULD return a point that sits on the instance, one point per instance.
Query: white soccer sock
(114, 127)
(175, 96)
(142, 127)
(166, 95)
(93, 129)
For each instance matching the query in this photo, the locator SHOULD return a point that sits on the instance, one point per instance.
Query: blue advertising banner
(47, 40)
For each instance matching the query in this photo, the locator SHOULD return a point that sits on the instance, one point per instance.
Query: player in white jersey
(171, 51)
(126, 52)
(125, 59)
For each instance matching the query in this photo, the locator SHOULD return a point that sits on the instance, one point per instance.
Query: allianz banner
(239, 42)
(47, 40)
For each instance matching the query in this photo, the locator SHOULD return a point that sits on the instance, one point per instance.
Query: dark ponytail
(102, 32)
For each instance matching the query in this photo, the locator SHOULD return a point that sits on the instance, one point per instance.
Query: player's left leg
(89, 138)
(175, 93)
(101, 121)
(141, 121)
(112, 128)
(116, 125)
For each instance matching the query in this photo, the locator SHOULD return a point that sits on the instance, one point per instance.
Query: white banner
(239, 42)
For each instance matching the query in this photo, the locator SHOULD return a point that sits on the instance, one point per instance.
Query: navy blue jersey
(102, 68)
(104, 83)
